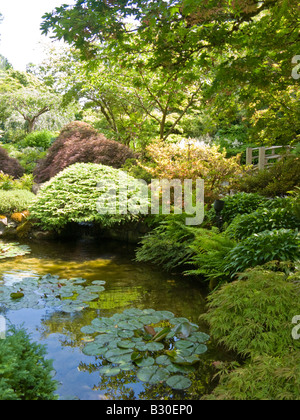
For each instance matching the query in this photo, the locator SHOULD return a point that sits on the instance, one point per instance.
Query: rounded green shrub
(40, 139)
(80, 192)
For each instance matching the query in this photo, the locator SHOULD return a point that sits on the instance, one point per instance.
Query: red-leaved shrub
(78, 142)
(10, 166)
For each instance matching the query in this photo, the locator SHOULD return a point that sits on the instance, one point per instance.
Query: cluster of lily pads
(161, 347)
(12, 250)
(50, 291)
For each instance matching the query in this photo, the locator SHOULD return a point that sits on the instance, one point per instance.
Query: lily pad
(179, 382)
(153, 374)
(109, 371)
(145, 361)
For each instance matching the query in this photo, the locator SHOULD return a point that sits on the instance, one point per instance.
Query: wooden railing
(264, 157)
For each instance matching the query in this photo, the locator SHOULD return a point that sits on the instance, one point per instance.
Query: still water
(128, 285)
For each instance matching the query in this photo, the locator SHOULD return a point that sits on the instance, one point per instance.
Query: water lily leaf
(163, 360)
(125, 344)
(162, 334)
(93, 349)
(179, 382)
(17, 295)
(87, 330)
(186, 360)
(136, 356)
(150, 330)
(201, 349)
(183, 330)
(149, 319)
(165, 315)
(126, 366)
(95, 289)
(145, 361)
(125, 333)
(154, 346)
(99, 282)
(133, 312)
(88, 339)
(141, 346)
(153, 374)
(183, 344)
(118, 354)
(109, 371)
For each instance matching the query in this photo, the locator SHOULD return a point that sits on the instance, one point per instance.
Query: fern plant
(210, 249)
(168, 245)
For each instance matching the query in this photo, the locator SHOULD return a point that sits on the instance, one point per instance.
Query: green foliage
(38, 139)
(259, 248)
(8, 183)
(264, 378)
(12, 250)
(76, 194)
(238, 204)
(15, 201)
(67, 295)
(278, 180)
(261, 220)
(253, 315)
(168, 244)
(210, 249)
(25, 374)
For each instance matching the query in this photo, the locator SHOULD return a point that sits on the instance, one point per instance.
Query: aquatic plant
(50, 291)
(11, 250)
(155, 344)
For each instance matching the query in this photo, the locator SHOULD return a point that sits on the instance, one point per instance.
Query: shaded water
(128, 285)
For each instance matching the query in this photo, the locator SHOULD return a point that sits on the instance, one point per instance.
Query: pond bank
(19, 227)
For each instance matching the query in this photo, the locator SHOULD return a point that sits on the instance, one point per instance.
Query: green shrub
(168, 244)
(253, 315)
(24, 372)
(259, 248)
(240, 203)
(73, 196)
(15, 201)
(39, 139)
(262, 219)
(265, 378)
(7, 182)
(210, 249)
(278, 180)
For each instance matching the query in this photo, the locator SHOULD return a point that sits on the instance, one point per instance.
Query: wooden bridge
(264, 157)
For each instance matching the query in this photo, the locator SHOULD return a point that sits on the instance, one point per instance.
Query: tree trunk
(31, 125)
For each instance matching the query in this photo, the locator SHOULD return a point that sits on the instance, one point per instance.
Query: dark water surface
(128, 285)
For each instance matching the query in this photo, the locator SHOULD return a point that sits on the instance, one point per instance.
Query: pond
(127, 285)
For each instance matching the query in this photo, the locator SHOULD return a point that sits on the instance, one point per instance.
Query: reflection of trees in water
(126, 386)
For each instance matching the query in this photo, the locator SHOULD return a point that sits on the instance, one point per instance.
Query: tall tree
(24, 95)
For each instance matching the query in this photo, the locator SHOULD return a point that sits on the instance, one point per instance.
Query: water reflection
(128, 285)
